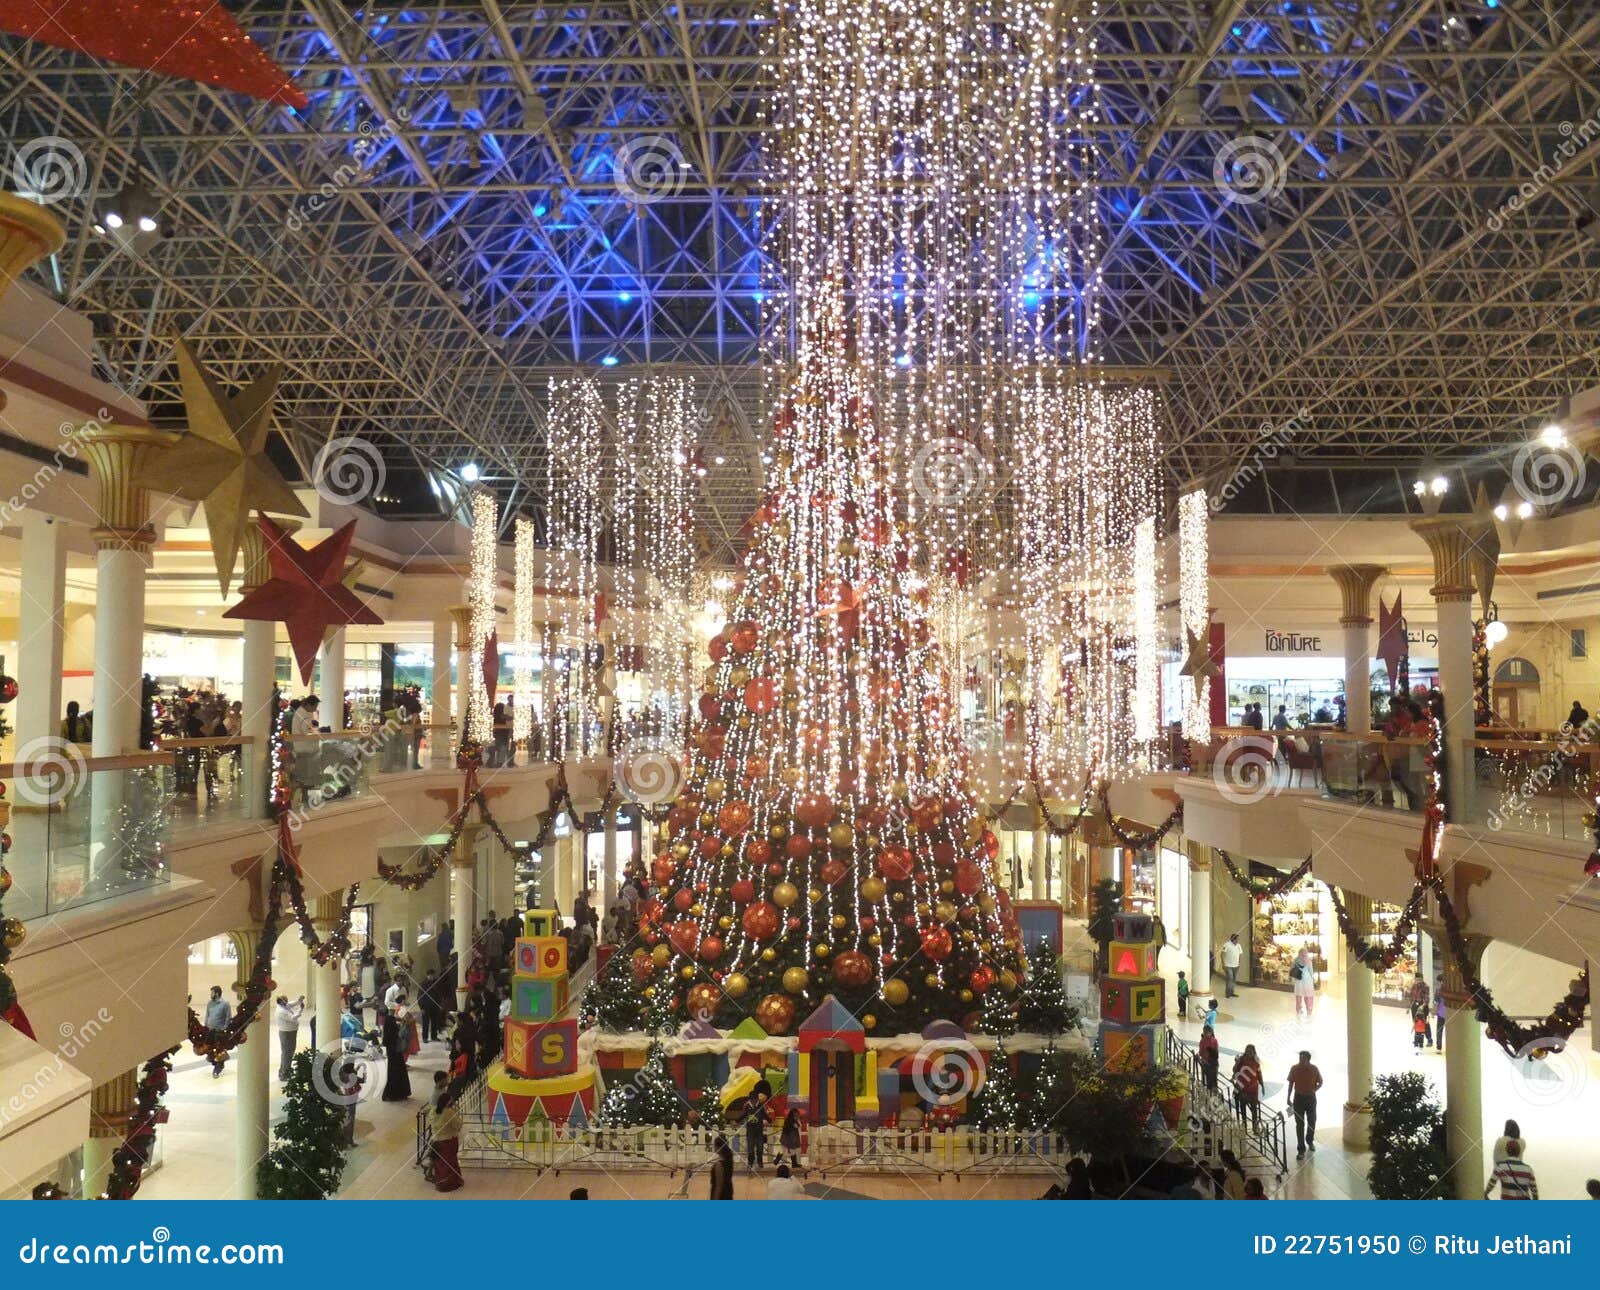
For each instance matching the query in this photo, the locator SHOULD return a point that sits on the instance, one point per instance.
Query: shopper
(1438, 1022)
(1515, 1178)
(721, 1169)
(1234, 1179)
(755, 1133)
(1576, 719)
(350, 1094)
(1419, 1027)
(1511, 1133)
(286, 1021)
(1210, 1057)
(1247, 1085)
(782, 1186)
(1253, 1190)
(1079, 1186)
(789, 1139)
(1280, 720)
(1304, 976)
(1210, 1019)
(219, 1012)
(397, 1082)
(1304, 1081)
(1232, 956)
(444, 1122)
(1183, 994)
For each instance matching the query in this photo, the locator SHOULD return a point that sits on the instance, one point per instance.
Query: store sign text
(1292, 643)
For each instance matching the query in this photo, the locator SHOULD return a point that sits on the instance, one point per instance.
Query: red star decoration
(1391, 637)
(305, 593)
(491, 665)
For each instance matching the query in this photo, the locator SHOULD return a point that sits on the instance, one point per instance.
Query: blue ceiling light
(470, 472)
(624, 296)
(903, 360)
(1030, 299)
(1237, 30)
(540, 211)
(610, 360)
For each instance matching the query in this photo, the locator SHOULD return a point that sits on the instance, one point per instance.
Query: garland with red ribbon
(129, 1161)
(1380, 958)
(1136, 841)
(1264, 890)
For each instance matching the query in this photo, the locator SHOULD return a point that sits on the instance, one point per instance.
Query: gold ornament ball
(687, 973)
(792, 776)
(899, 897)
(697, 909)
(945, 912)
(947, 886)
(715, 789)
(838, 920)
(649, 992)
(661, 954)
(966, 996)
(725, 850)
(796, 979)
(822, 951)
(868, 1021)
(680, 850)
(841, 835)
(895, 992)
(814, 895)
(986, 903)
(708, 819)
(899, 789)
(13, 933)
(875, 939)
(742, 722)
(725, 922)
(924, 910)
(931, 980)
(785, 894)
(768, 954)
(873, 888)
(736, 985)
(1008, 980)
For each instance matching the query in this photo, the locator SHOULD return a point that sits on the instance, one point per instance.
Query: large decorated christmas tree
(827, 842)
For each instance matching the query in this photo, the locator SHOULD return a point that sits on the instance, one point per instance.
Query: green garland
(1266, 890)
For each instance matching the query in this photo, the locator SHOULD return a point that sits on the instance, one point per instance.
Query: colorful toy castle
(1133, 997)
(539, 1069)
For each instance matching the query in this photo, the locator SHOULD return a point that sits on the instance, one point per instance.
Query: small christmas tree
(612, 1000)
(1406, 1122)
(1043, 1008)
(998, 1103)
(1104, 901)
(650, 1097)
(1049, 1095)
(308, 1156)
(709, 1107)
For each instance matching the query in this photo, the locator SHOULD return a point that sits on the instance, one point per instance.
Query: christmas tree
(997, 1104)
(827, 841)
(1043, 1008)
(649, 1097)
(307, 1157)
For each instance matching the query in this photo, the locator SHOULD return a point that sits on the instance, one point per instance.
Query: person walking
(755, 1134)
(1419, 1027)
(1421, 1000)
(1234, 1179)
(1511, 1133)
(1210, 1057)
(1210, 1019)
(286, 1021)
(1304, 976)
(1232, 956)
(219, 1012)
(397, 1082)
(444, 1128)
(1304, 1081)
(721, 1169)
(1438, 1022)
(1183, 994)
(789, 1139)
(1247, 1086)
(349, 1094)
(1513, 1175)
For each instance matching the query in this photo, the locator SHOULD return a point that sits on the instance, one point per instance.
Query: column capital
(28, 233)
(466, 852)
(1454, 988)
(461, 615)
(1359, 907)
(325, 911)
(119, 458)
(253, 552)
(1356, 582)
(244, 948)
(111, 1105)
(1459, 545)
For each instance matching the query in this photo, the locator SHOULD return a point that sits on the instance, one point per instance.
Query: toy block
(1132, 960)
(1132, 927)
(541, 922)
(1132, 1002)
(538, 998)
(1132, 1048)
(537, 1050)
(544, 956)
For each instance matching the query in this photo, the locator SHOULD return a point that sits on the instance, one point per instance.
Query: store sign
(1292, 643)
(1424, 636)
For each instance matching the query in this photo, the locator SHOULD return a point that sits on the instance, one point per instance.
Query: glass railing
(1249, 764)
(210, 778)
(1372, 770)
(86, 829)
(1532, 784)
(337, 766)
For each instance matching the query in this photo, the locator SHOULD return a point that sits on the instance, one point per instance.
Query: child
(1419, 1027)
(1183, 994)
(1211, 1014)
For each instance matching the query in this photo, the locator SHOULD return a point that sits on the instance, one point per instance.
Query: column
(333, 679)
(119, 457)
(1358, 1030)
(463, 903)
(39, 645)
(461, 616)
(1355, 588)
(1037, 860)
(441, 750)
(554, 737)
(564, 886)
(1453, 542)
(259, 663)
(252, 1063)
(325, 981)
(110, 1107)
(1199, 918)
(549, 866)
(1463, 1072)
(608, 876)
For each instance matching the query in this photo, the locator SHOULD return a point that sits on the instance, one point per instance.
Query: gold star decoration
(1198, 663)
(222, 461)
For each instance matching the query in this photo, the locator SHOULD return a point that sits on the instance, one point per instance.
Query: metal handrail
(1269, 1136)
(123, 761)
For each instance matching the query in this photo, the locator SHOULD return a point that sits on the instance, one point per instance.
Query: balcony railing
(85, 829)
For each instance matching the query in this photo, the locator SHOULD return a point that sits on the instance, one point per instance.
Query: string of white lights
(526, 644)
(481, 584)
(1194, 602)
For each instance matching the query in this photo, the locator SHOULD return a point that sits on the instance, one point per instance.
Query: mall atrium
(969, 600)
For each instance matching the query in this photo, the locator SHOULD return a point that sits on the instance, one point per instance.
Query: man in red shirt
(1304, 1081)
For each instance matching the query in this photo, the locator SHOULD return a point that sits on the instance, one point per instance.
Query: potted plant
(1171, 1092)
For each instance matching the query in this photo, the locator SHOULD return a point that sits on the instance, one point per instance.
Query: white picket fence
(829, 1147)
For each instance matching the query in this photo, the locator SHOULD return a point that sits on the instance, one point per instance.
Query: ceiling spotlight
(134, 208)
(1524, 510)
(1438, 485)
(1552, 436)
(1502, 512)
(470, 472)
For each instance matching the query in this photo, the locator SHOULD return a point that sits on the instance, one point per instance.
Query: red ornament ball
(935, 944)
(8, 688)
(711, 949)
(982, 978)
(703, 1000)
(744, 636)
(991, 844)
(685, 937)
(761, 695)
(852, 969)
(759, 851)
(683, 900)
(717, 648)
(734, 818)
(662, 868)
(743, 891)
(775, 1014)
(832, 872)
(710, 707)
(814, 810)
(761, 920)
(968, 878)
(895, 863)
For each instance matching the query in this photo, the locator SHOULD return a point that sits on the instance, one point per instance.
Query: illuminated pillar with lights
(1358, 1030)
(1199, 918)
(608, 876)
(325, 980)
(1463, 1071)
(259, 668)
(463, 901)
(1039, 860)
(461, 616)
(1355, 583)
(1451, 542)
(440, 749)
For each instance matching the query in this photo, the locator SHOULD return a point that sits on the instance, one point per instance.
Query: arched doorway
(1516, 690)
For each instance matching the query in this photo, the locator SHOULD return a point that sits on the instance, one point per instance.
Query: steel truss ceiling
(447, 222)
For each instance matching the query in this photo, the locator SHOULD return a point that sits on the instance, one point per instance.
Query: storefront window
(1393, 986)
(1300, 918)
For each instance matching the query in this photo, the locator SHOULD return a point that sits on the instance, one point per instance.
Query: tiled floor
(1557, 1103)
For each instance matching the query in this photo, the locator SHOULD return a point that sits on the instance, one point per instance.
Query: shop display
(1284, 925)
(1393, 986)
